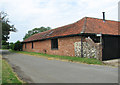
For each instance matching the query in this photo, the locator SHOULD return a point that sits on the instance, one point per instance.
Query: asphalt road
(41, 70)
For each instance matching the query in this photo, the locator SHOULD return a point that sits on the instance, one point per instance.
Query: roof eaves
(52, 38)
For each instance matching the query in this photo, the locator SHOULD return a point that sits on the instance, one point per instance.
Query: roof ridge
(102, 19)
(84, 25)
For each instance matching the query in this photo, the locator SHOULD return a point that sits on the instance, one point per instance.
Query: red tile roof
(86, 25)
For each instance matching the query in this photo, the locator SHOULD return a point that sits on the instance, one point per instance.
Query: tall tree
(34, 31)
(5, 27)
(0, 32)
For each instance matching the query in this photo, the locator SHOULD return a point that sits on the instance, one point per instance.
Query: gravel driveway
(41, 70)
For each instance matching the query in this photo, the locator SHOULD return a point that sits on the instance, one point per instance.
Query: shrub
(11, 45)
(17, 46)
(5, 46)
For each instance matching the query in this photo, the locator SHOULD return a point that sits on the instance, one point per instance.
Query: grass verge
(8, 76)
(69, 58)
(4, 49)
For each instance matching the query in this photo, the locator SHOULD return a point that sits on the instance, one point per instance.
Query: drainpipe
(100, 47)
(82, 46)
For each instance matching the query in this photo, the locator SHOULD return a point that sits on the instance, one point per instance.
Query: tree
(11, 45)
(5, 45)
(34, 31)
(17, 46)
(6, 28)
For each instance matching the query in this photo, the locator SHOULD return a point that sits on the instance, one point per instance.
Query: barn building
(88, 37)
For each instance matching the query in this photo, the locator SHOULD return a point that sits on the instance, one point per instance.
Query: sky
(28, 14)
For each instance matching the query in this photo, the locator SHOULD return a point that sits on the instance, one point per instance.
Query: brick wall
(65, 46)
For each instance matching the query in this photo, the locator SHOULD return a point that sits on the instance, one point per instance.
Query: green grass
(69, 58)
(4, 49)
(8, 76)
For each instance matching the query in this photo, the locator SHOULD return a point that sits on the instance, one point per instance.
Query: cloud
(28, 14)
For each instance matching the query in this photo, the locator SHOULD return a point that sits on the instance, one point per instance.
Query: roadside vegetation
(68, 58)
(35, 31)
(0, 69)
(6, 29)
(8, 76)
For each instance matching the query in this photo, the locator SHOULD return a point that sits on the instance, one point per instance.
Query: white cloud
(27, 14)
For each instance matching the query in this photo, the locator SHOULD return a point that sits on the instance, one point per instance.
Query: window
(32, 45)
(95, 39)
(25, 45)
(54, 44)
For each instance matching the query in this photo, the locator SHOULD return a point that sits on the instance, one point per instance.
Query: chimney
(103, 16)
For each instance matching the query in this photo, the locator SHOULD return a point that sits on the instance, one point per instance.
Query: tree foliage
(5, 45)
(34, 31)
(6, 27)
(11, 45)
(17, 46)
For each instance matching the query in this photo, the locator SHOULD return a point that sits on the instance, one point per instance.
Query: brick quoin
(65, 46)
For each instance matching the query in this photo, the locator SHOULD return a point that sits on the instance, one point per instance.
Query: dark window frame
(95, 39)
(54, 44)
(32, 45)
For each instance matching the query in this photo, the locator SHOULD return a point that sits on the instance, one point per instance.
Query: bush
(11, 45)
(5, 46)
(16, 46)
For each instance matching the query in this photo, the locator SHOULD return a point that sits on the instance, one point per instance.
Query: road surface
(41, 70)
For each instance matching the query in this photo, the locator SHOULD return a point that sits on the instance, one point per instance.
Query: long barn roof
(85, 25)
